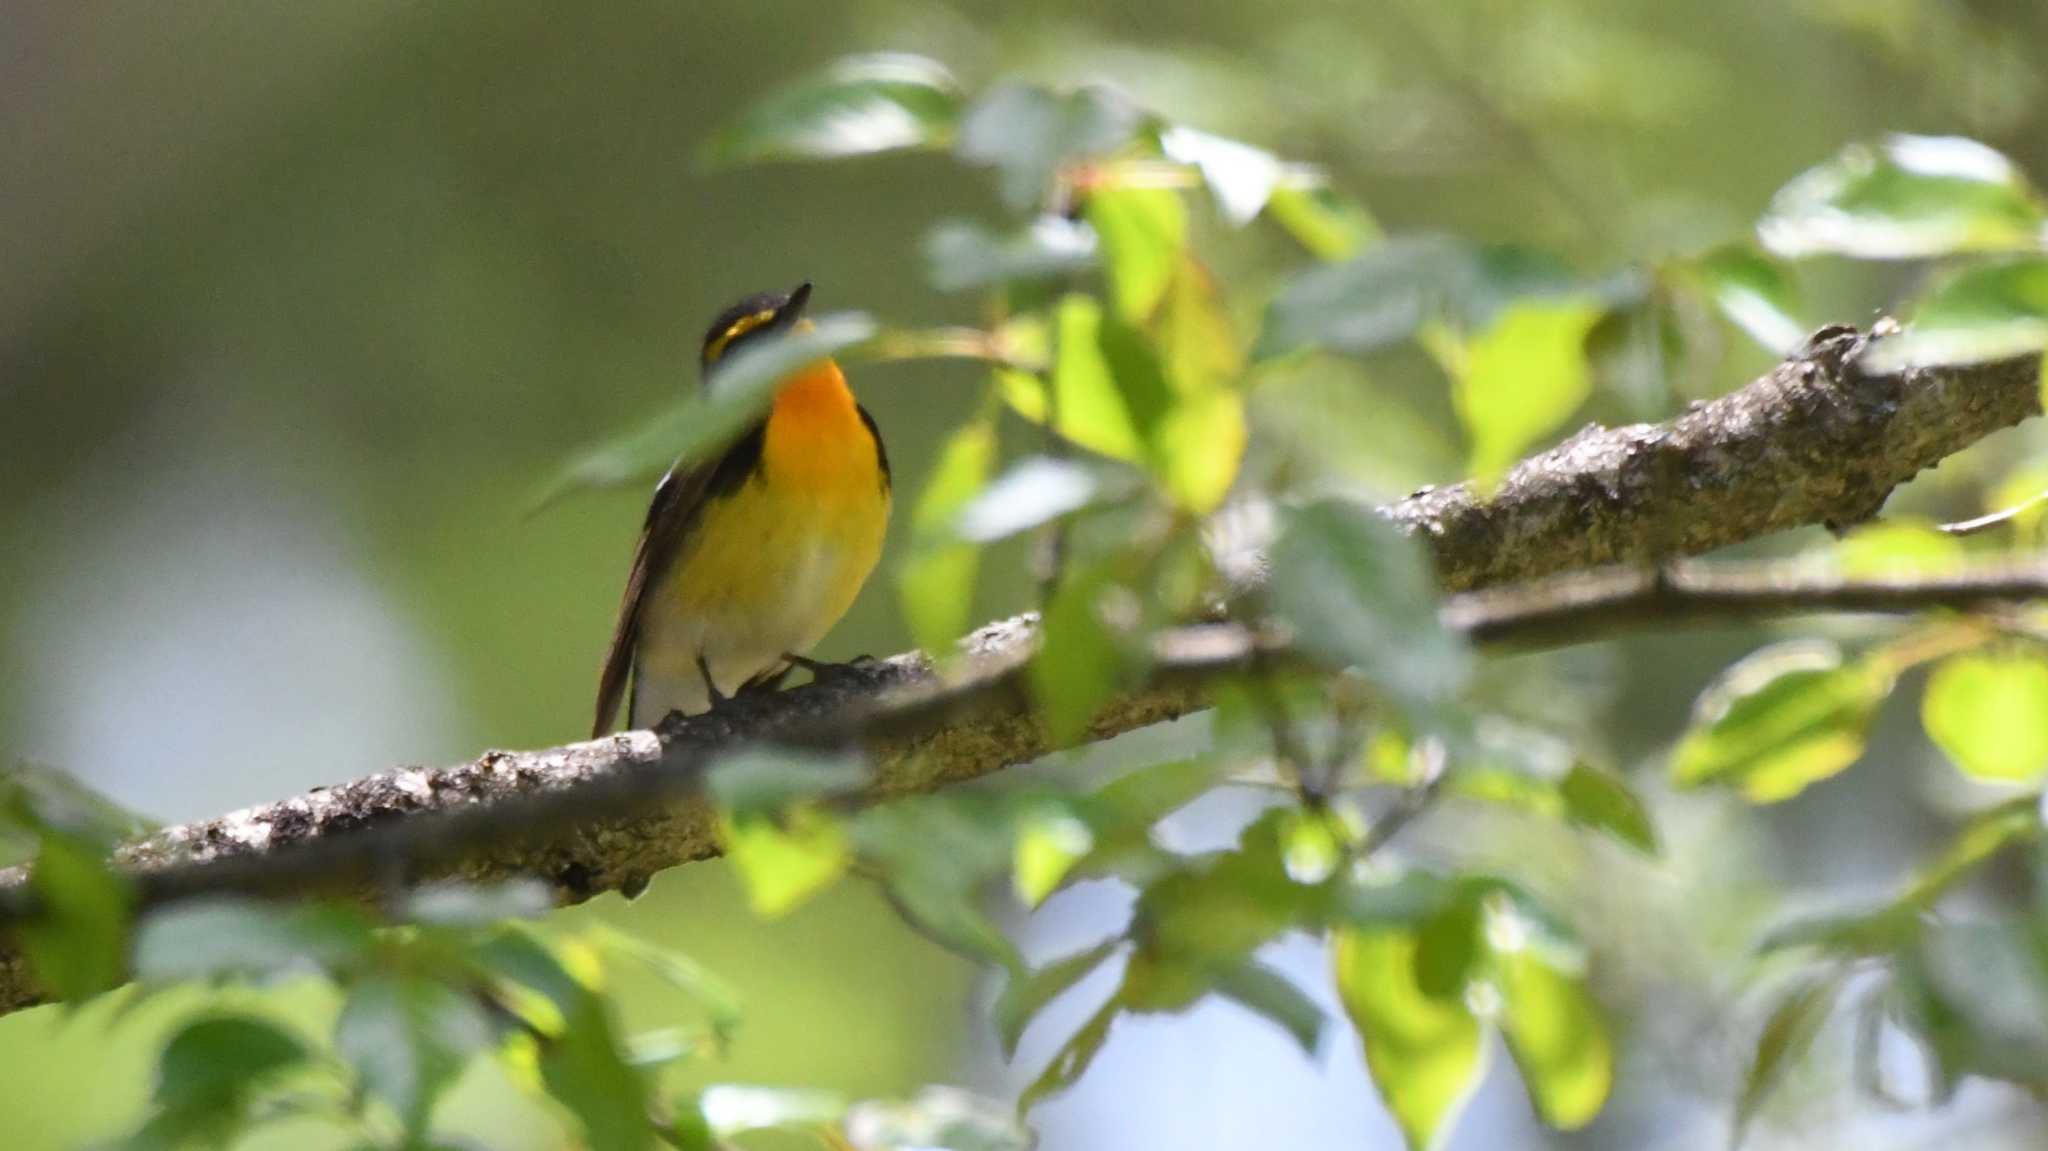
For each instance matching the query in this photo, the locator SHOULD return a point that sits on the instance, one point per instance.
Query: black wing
(678, 504)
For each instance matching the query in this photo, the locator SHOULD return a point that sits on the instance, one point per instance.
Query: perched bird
(747, 560)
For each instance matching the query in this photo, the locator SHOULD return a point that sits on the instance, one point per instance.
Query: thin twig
(1997, 519)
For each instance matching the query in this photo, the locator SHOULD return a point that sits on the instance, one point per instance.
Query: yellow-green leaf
(1557, 1036)
(1781, 719)
(1523, 377)
(783, 865)
(936, 583)
(1143, 232)
(1989, 714)
(1899, 547)
(1905, 198)
(1328, 225)
(1425, 1054)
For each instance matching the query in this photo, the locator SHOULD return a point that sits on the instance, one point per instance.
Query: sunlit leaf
(1048, 846)
(1908, 197)
(961, 255)
(705, 421)
(1894, 548)
(1028, 134)
(1522, 377)
(1197, 446)
(1027, 993)
(1781, 719)
(732, 1109)
(78, 940)
(1325, 223)
(1358, 591)
(1274, 997)
(1425, 1053)
(226, 936)
(1599, 799)
(1240, 177)
(1032, 493)
(861, 104)
(408, 1038)
(784, 862)
(1143, 232)
(1787, 1035)
(937, 1117)
(1756, 294)
(1987, 311)
(1557, 1036)
(935, 585)
(1988, 713)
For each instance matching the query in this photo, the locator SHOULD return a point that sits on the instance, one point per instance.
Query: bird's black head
(752, 318)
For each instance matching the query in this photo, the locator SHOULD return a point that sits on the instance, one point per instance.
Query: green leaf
(1787, 1035)
(1373, 301)
(1028, 993)
(1091, 402)
(1986, 311)
(1028, 134)
(408, 1039)
(1049, 843)
(1986, 834)
(1327, 225)
(1240, 177)
(766, 780)
(1071, 1060)
(1988, 712)
(1447, 947)
(719, 999)
(1895, 548)
(1143, 233)
(1272, 996)
(587, 1070)
(1756, 294)
(1199, 442)
(703, 423)
(959, 255)
(1907, 198)
(218, 1060)
(1079, 663)
(859, 105)
(1032, 493)
(1523, 377)
(1784, 718)
(1425, 1053)
(935, 585)
(1358, 591)
(937, 854)
(1602, 800)
(226, 936)
(532, 979)
(78, 940)
(1222, 907)
(1557, 1036)
(783, 864)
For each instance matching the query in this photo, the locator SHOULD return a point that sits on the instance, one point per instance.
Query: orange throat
(815, 431)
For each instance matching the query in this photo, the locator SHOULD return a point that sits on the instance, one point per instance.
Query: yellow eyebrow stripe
(740, 327)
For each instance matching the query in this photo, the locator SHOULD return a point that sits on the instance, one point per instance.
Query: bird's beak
(792, 309)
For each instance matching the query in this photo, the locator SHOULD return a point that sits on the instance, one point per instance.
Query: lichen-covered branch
(1816, 441)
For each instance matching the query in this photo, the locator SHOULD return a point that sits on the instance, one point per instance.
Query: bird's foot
(823, 671)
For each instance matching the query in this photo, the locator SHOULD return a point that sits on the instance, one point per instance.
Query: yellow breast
(770, 566)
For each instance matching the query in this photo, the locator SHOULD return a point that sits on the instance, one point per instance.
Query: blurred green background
(299, 302)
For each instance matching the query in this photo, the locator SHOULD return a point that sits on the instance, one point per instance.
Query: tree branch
(1814, 441)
